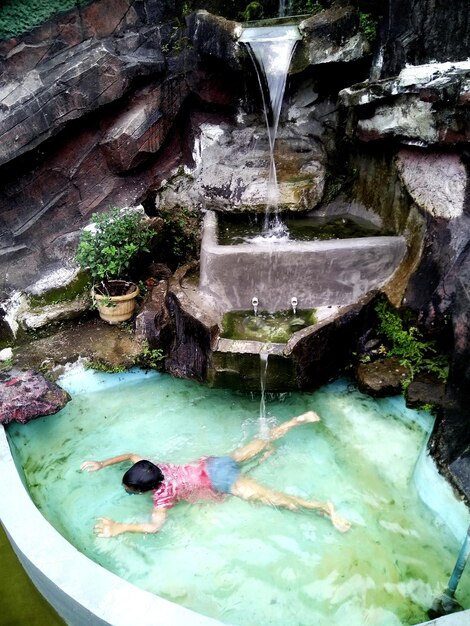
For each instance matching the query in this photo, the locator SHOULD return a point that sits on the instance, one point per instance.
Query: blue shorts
(223, 472)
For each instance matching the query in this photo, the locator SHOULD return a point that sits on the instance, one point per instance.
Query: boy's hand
(106, 527)
(91, 466)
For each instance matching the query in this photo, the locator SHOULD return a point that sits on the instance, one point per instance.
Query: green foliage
(407, 344)
(253, 11)
(20, 16)
(368, 26)
(6, 364)
(150, 358)
(179, 242)
(118, 238)
(104, 367)
(300, 7)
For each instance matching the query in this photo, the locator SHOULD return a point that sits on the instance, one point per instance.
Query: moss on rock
(20, 16)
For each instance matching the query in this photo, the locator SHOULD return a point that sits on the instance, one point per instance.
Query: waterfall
(271, 49)
(285, 8)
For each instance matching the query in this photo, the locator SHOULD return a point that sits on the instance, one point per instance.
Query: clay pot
(115, 300)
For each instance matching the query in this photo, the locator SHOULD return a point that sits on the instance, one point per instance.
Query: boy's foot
(340, 523)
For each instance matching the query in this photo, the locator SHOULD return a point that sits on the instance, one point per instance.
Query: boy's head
(142, 476)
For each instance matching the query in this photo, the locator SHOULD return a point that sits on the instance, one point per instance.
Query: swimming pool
(238, 563)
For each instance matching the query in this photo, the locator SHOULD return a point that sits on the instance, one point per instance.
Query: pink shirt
(188, 482)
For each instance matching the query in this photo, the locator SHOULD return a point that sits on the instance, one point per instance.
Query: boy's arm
(106, 527)
(94, 466)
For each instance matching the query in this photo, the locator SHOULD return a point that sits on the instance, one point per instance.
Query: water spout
(263, 422)
(294, 303)
(254, 304)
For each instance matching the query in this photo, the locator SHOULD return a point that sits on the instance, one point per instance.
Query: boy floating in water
(207, 478)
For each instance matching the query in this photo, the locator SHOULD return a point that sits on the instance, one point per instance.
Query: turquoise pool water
(240, 563)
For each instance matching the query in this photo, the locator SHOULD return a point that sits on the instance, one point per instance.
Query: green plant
(253, 11)
(368, 26)
(305, 6)
(6, 364)
(103, 367)
(187, 8)
(179, 241)
(19, 16)
(116, 240)
(150, 358)
(407, 344)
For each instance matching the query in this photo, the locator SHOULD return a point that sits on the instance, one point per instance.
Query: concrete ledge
(318, 273)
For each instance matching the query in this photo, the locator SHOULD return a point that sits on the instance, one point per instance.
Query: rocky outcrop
(25, 395)
(332, 36)
(420, 115)
(450, 439)
(231, 169)
(215, 38)
(109, 347)
(71, 84)
(420, 31)
(425, 105)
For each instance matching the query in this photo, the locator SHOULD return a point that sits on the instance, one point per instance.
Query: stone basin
(318, 273)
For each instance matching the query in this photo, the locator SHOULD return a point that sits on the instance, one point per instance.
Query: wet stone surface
(113, 347)
(381, 378)
(25, 395)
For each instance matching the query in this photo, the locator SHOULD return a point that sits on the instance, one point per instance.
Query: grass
(21, 603)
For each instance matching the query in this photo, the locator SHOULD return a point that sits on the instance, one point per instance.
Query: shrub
(408, 345)
(116, 239)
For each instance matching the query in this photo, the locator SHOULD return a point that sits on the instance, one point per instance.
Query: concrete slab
(317, 273)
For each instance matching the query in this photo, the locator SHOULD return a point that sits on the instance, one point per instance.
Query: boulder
(331, 36)
(435, 180)
(25, 395)
(381, 378)
(425, 390)
(214, 37)
(138, 132)
(231, 168)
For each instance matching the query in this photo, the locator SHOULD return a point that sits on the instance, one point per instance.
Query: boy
(206, 478)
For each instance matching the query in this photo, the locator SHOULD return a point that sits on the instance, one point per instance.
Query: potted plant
(107, 249)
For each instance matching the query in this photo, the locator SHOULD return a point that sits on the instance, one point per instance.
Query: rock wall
(102, 107)
(421, 31)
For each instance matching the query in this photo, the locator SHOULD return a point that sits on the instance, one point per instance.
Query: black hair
(143, 476)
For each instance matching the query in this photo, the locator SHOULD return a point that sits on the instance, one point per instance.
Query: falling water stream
(263, 422)
(271, 49)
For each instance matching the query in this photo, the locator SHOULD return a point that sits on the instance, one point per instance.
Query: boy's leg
(256, 446)
(247, 488)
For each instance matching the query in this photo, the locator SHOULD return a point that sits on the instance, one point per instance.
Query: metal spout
(254, 304)
(294, 303)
